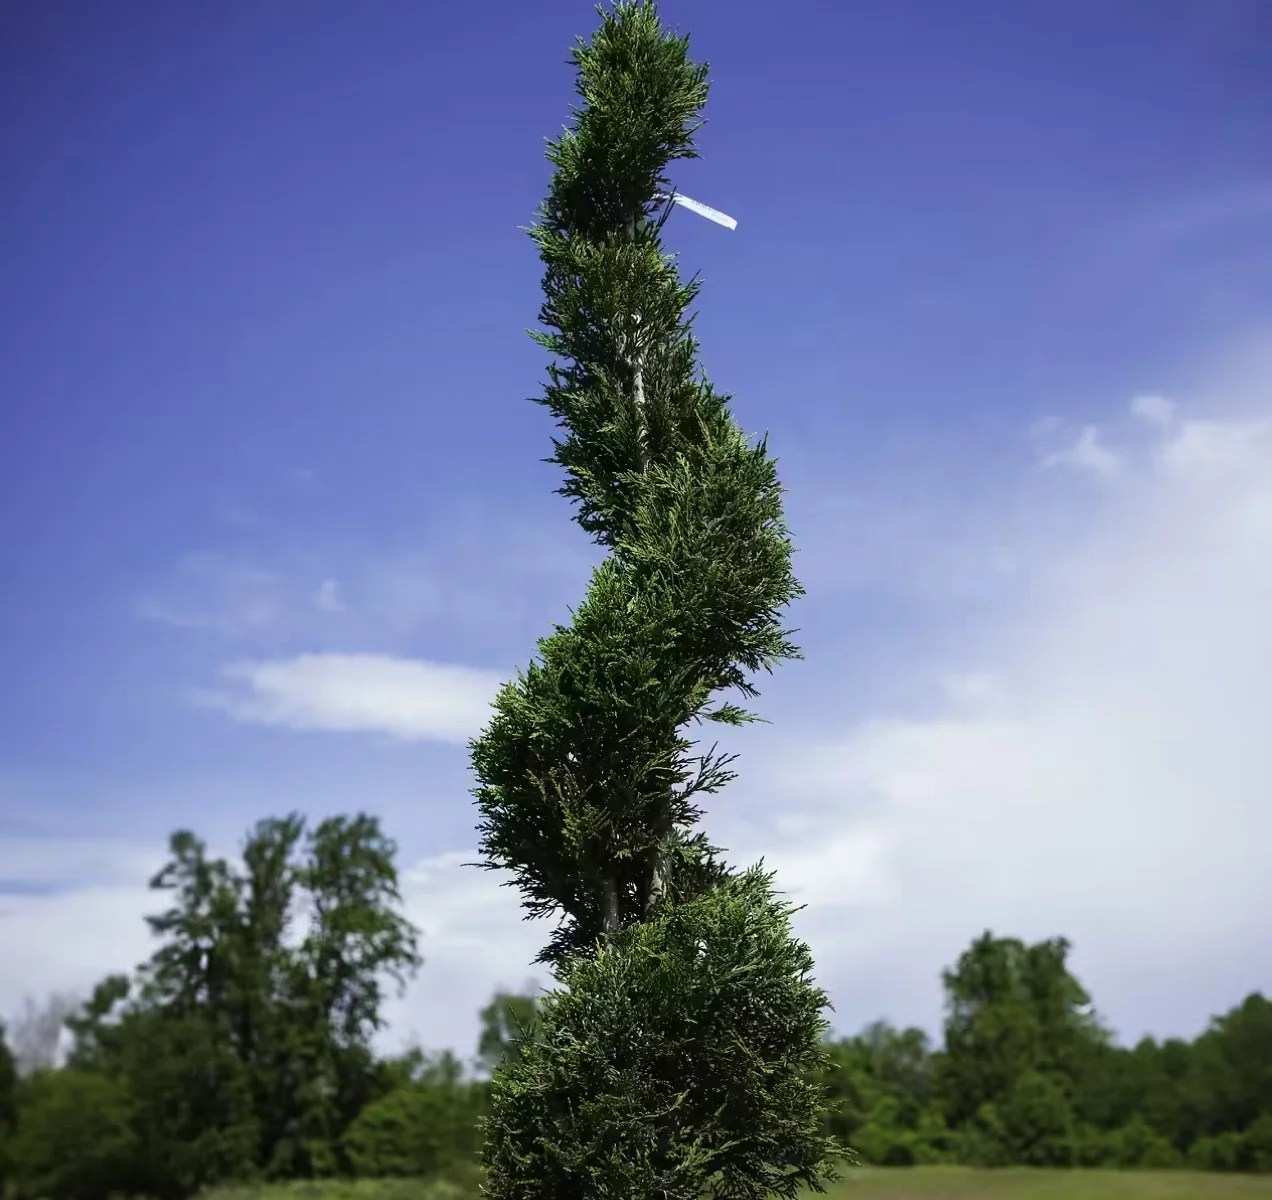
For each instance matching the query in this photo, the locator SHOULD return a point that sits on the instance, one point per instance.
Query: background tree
(589, 778)
(74, 1138)
(881, 1087)
(505, 1024)
(334, 986)
(1231, 1068)
(1013, 1009)
(427, 1124)
(191, 1116)
(244, 1043)
(8, 1106)
(1036, 1121)
(156, 1100)
(37, 1036)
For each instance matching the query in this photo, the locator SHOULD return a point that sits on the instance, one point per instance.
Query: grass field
(955, 1183)
(934, 1183)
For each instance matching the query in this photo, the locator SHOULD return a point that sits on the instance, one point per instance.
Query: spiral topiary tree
(677, 1056)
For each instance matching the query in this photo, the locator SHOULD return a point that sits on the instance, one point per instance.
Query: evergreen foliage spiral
(675, 1055)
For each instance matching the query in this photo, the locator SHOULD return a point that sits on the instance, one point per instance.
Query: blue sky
(276, 519)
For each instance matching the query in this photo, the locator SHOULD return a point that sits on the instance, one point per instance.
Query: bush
(680, 1061)
(982, 1142)
(1223, 1152)
(1095, 1147)
(1037, 1122)
(74, 1139)
(1258, 1144)
(886, 1146)
(933, 1139)
(1137, 1144)
(416, 1130)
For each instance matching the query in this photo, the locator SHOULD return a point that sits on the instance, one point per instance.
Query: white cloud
(426, 583)
(75, 916)
(407, 698)
(1217, 447)
(971, 689)
(69, 941)
(1155, 409)
(474, 941)
(1087, 453)
(219, 593)
(1104, 775)
(327, 598)
(65, 862)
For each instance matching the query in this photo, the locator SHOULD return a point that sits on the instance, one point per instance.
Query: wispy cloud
(1156, 409)
(327, 596)
(1203, 448)
(1209, 211)
(1087, 453)
(465, 575)
(363, 693)
(76, 915)
(62, 863)
(219, 593)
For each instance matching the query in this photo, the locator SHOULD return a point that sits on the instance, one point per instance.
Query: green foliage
(8, 1105)
(75, 1138)
(1137, 1144)
(418, 1129)
(1028, 1075)
(158, 1100)
(191, 1102)
(1233, 1150)
(507, 1024)
(1231, 1070)
(239, 1047)
(982, 1139)
(1037, 1123)
(677, 1059)
(880, 1089)
(675, 1062)
(587, 775)
(1220, 1152)
(1011, 1009)
(1258, 1143)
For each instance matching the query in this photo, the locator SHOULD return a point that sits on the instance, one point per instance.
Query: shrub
(1258, 1144)
(416, 1130)
(982, 1142)
(1223, 1152)
(74, 1139)
(1037, 1122)
(679, 1061)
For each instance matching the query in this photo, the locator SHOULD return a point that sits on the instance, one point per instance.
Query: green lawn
(956, 1183)
(932, 1183)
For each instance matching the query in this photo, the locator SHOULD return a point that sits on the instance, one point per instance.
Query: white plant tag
(703, 210)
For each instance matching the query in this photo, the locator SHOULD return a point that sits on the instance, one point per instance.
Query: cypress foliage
(676, 1055)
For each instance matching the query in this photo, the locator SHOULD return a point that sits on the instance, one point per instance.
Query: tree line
(1028, 1074)
(242, 1049)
